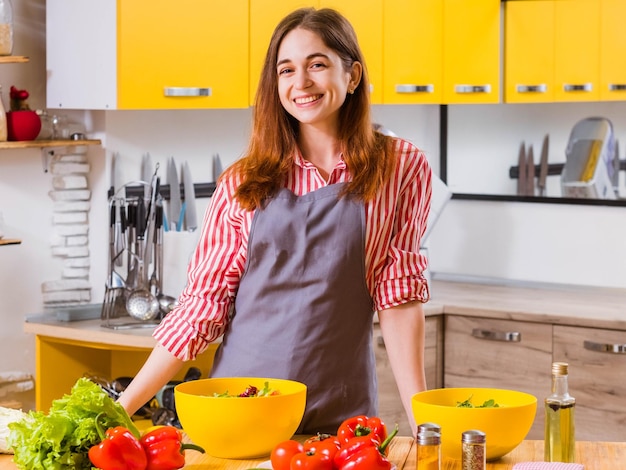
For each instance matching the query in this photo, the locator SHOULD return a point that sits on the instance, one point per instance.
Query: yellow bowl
(505, 427)
(239, 428)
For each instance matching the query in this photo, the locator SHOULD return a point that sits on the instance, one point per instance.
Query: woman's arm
(157, 371)
(403, 329)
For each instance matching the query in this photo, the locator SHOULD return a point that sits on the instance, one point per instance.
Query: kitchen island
(593, 455)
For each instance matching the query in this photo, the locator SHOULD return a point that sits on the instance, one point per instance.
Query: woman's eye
(284, 71)
(318, 65)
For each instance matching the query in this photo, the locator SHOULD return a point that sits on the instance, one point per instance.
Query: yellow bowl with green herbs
(232, 427)
(505, 426)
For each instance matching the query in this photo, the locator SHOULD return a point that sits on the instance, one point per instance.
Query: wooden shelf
(9, 241)
(13, 59)
(47, 143)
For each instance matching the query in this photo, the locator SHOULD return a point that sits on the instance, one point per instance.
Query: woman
(314, 229)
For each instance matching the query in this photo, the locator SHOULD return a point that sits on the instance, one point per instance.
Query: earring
(351, 91)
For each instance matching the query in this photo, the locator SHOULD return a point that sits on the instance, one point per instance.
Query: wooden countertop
(566, 305)
(593, 455)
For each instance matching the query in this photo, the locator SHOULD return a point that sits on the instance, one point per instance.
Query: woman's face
(312, 81)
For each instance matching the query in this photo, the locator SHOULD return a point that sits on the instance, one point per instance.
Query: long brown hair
(273, 142)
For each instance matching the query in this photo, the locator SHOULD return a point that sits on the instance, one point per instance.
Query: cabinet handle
(542, 88)
(472, 88)
(415, 88)
(607, 348)
(492, 335)
(617, 87)
(186, 91)
(583, 87)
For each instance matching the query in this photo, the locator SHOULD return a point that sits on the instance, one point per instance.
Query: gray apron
(303, 311)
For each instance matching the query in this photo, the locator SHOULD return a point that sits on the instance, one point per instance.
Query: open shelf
(47, 143)
(9, 241)
(13, 59)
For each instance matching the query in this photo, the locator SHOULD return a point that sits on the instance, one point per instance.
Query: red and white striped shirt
(394, 224)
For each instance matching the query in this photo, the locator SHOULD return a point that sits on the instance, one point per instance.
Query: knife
(521, 173)
(543, 166)
(175, 203)
(217, 166)
(116, 180)
(615, 173)
(530, 172)
(146, 175)
(191, 218)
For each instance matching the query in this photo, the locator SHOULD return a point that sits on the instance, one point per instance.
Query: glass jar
(3, 120)
(428, 450)
(474, 451)
(6, 27)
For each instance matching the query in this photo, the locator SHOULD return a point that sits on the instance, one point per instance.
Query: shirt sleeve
(213, 276)
(402, 280)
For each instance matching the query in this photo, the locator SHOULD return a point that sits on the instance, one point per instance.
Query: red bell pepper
(362, 425)
(357, 447)
(164, 448)
(119, 449)
(367, 458)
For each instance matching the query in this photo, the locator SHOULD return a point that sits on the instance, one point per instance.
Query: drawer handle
(491, 335)
(617, 87)
(186, 91)
(606, 347)
(542, 88)
(472, 88)
(415, 88)
(583, 87)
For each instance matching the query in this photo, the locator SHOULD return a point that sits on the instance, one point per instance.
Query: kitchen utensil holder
(129, 224)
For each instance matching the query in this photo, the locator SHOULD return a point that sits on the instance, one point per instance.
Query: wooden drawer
(595, 379)
(518, 356)
(390, 406)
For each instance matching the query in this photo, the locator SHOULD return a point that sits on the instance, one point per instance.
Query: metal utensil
(173, 214)
(521, 174)
(191, 217)
(530, 172)
(543, 166)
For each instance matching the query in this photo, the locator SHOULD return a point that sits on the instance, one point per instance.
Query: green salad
(468, 404)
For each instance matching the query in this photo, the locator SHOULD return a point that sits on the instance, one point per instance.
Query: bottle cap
(428, 438)
(559, 368)
(428, 427)
(473, 437)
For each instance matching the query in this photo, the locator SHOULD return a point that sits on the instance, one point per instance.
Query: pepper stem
(99, 427)
(191, 447)
(383, 447)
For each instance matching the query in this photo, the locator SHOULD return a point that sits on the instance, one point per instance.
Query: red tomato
(311, 460)
(283, 452)
(324, 443)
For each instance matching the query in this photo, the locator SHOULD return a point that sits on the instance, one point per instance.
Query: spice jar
(6, 27)
(428, 450)
(428, 427)
(473, 454)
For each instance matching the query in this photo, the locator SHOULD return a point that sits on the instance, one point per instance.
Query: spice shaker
(474, 455)
(428, 427)
(428, 450)
(559, 413)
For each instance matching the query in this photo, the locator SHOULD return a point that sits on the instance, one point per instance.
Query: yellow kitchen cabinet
(147, 55)
(366, 17)
(577, 50)
(529, 52)
(612, 47)
(264, 17)
(441, 52)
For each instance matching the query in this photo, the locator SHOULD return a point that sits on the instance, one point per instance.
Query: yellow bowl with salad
(240, 417)
(505, 416)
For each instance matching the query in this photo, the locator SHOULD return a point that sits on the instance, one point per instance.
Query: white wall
(511, 241)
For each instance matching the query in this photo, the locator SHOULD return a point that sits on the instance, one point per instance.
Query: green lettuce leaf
(61, 439)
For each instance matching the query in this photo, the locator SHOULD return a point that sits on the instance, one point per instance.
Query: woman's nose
(303, 80)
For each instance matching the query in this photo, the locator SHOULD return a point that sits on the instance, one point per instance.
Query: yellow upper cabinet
(577, 50)
(529, 52)
(612, 50)
(366, 16)
(413, 52)
(471, 51)
(441, 52)
(147, 55)
(264, 17)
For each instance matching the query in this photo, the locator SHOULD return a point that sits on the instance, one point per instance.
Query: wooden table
(593, 455)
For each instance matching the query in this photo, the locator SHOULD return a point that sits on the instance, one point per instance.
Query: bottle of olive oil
(559, 413)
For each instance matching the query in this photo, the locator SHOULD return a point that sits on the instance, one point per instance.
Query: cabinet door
(264, 17)
(482, 352)
(413, 52)
(169, 53)
(597, 367)
(577, 50)
(471, 48)
(612, 47)
(529, 52)
(366, 16)
(390, 406)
